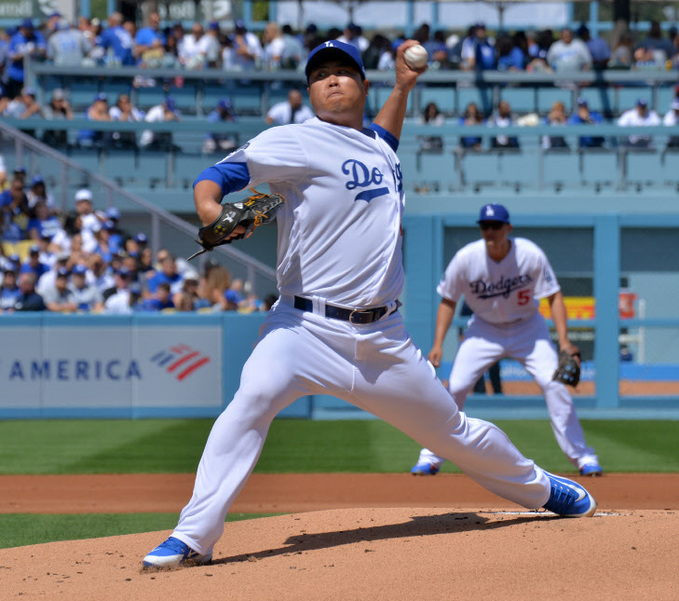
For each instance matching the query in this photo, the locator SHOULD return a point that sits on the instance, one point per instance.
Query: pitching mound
(393, 554)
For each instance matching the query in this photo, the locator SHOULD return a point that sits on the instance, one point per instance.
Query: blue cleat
(173, 553)
(569, 499)
(591, 469)
(424, 469)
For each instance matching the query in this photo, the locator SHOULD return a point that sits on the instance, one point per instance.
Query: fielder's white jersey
(335, 194)
(504, 292)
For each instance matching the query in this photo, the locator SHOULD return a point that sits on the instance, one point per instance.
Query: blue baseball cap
(63, 272)
(642, 102)
(108, 225)
(224, 104)
(79, 270)
(337, 50)
(113, 213)
(493, 212)
(141, 238)
(101, 96)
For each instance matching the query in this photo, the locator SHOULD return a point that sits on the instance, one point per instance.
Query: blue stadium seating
(561, 168)
(599, 167)
(444, 97)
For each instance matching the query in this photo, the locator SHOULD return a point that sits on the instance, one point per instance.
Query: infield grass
(20, 529)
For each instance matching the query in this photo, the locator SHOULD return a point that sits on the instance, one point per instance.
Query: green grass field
(293, 446)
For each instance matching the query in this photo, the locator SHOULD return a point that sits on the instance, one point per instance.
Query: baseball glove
(568, 370)
(251, 213)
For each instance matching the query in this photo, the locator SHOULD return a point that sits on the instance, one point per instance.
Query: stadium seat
(522, 100)
(548, 96)
(444, 97)
(598, 167)
(561, 169)
(475, 172)
(600, 99)
(88, 158)
(119, 165)
(642, 167)
(483, 97)
(436, 171)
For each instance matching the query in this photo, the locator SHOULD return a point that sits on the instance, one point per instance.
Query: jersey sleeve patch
(230, 177)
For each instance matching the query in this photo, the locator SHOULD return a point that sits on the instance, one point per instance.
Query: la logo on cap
(489, 211)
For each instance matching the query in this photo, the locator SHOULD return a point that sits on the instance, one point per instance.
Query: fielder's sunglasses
(491, 225)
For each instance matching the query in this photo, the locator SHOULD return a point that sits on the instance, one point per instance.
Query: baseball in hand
(416, 57)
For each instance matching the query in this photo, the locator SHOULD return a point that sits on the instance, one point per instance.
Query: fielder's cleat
(569, 499)
(173, 553)
(424, 469)
(591, 469)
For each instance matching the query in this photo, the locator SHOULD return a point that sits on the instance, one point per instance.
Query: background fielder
(502, 280)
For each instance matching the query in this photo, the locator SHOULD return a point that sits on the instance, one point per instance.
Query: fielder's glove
(251, 213)
(568, 370)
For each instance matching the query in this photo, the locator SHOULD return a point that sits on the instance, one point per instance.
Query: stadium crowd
(86, 262)
(218, 45)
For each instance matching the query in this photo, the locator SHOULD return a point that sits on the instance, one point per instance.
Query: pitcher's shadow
(427, 525)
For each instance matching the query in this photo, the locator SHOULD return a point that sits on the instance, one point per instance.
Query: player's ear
(510, 227)
(366, 85)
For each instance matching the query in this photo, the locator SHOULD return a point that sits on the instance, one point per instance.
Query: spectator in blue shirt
(33, 264)
(582, 116)
(160, 300)
(28, 299)
(220, 141)
(168, 274)
(598, 48)
(477, 52)
(510, 56)
(26, 42)
(9, 291)
(117, 42)
(150, 40)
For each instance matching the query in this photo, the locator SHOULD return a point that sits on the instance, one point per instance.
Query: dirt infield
(354, 537)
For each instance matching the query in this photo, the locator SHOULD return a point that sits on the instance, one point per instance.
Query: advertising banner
(110, 368)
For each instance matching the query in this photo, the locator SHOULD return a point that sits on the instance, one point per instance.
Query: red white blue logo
(180, 360)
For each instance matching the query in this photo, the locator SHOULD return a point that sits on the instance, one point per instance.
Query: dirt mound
(368, 553)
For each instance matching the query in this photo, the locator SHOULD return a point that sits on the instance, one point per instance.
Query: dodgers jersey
(339, 230)
(500, 292)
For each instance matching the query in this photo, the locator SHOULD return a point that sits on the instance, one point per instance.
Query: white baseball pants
(375, 367)
(529, 343)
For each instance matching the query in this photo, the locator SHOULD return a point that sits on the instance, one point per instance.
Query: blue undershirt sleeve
(230, 177)
(388, 137)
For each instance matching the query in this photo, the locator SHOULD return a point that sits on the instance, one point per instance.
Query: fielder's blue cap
(494, 212)
(334, 49)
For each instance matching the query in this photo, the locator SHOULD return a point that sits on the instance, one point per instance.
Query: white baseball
(416, 57)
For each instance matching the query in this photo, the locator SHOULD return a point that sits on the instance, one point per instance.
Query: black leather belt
(357, 316)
